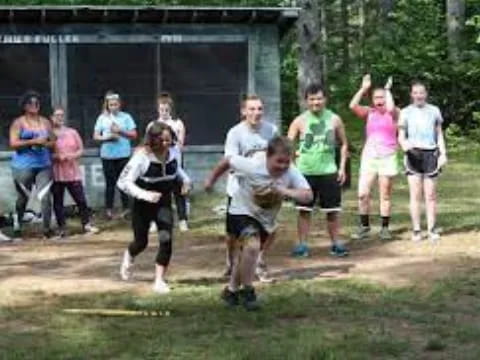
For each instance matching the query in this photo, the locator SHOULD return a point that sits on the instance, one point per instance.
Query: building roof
(283, 17)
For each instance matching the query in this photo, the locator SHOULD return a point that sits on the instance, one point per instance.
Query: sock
(385, 221)
(364, 220)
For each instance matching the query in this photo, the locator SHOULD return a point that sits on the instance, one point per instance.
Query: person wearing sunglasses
(115, 130)
(32, 139)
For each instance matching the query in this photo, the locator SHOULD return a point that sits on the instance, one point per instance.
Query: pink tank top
(381, 132)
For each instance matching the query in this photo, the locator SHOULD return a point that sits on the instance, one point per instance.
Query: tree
(309, 40)
(455, 26)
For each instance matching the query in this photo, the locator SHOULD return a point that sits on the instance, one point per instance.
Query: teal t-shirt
(120, 148)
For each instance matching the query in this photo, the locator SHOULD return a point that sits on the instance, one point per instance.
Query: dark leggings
(143, 214)
(111, 170)
(75, 188)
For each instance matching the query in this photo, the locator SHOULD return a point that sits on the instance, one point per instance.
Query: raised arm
(361, 111)
(341, 137)
(389, 102)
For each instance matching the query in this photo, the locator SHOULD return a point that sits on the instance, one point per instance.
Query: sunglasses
(33, 102)
(112, 97)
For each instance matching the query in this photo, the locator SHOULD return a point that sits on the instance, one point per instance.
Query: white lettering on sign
(38, 39)
(171, 38)
(96, 174)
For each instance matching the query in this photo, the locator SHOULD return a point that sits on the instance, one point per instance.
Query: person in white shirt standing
(249, 138)
(165, 109)
(262, 183)
(421, 138)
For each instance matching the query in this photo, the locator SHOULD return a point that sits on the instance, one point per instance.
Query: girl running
(165, 110)
(263, 182)
(32, 139)
(114, 129)
(379, 155)
(421, 138)
(66, 172)
(150, 177)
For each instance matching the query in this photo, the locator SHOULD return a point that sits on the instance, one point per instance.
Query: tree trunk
(345, 35)
(455, 25)
(309, 40)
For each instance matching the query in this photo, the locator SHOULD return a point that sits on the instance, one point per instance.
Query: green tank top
(317, 146)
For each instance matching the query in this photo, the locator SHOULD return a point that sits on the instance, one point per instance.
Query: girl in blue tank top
(32, 139)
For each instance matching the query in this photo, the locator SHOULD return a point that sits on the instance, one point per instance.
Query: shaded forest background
(336, 41)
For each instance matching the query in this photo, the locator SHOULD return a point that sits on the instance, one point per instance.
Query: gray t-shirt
(253, 180)
(420, 124)
(247, 142)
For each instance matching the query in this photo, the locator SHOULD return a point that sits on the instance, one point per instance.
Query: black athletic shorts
(422, 162)
(327, 192)
(244, 225)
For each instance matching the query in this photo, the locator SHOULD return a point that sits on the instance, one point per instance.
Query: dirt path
(90, 264)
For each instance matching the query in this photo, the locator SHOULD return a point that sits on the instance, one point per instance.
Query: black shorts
(422, 162)
(244, 225)
(327, 192)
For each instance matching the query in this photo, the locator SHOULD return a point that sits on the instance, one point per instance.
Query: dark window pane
(22, 67)
(206, 81)
(128, 69)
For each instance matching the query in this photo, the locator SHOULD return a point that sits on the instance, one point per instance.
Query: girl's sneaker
(161, 287)
(90, 229)
(126, 267)
(301, 250)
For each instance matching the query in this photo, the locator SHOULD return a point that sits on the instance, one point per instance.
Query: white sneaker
(433, 236)
(183, 225)
(153, 228)
(126, 267)
(416, 236)
(160, 287)
(4, 238)
(90, 229)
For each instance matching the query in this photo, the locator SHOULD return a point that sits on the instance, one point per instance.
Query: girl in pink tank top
(379, 160)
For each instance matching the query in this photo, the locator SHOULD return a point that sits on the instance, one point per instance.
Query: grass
(352, 317)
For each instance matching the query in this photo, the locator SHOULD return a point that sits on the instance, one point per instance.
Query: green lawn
(350, 317)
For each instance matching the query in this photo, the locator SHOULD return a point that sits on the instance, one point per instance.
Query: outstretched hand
(389, 83)
(366, 82)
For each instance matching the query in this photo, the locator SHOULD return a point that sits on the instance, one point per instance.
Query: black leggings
(143, 214)
(111, 170)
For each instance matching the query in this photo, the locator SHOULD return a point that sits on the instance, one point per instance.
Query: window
(22, 67)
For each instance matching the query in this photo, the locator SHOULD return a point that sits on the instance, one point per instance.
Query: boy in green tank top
(318, 131)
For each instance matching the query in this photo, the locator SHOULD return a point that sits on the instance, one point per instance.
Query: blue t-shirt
(120, 148)
(420, 124)
(32, 157)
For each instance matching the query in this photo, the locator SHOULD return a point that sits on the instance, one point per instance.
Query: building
(206, 57)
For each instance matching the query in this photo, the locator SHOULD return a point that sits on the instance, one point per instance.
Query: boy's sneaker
(230, 297)
(183, 225)
(338, 250)
(385, 234)
(161, 287)
(109, 214)
(4, 238)
(90, 229)
(434, 236)
(62, 233)
(362, 233)
(301, 250)
(153, 228)
(417, 236)
(261, 271)
(126, 267)
(248, 298)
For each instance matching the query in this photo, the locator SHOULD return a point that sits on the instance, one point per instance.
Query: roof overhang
(283, 17)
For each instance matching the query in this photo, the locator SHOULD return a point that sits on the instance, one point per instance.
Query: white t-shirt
(247, 142)
(420, 124)
(253, 178)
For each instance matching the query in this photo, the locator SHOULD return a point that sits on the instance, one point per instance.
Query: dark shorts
(327, 192)
(244, 226)
(422, 162)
